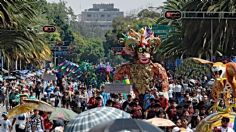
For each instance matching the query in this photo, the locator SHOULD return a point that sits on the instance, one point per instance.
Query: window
(102, 15)
(89, 15)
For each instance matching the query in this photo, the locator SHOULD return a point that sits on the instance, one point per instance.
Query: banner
(118, 88)
(49, 77)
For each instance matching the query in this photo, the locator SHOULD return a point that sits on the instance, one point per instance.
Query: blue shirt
(147, 98)
(105, 96)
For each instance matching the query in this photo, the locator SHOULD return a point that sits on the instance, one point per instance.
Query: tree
(146, 13)
(193, 37)
(228, 45)
(90, 50)
(17, 40)
(172, 46)
(58, 15)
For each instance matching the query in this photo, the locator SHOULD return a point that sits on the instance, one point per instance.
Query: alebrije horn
(133, 33)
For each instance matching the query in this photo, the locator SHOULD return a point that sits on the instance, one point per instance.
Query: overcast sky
(128, 6)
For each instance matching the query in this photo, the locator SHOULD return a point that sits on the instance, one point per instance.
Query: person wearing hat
(224, 125)
(5, 123)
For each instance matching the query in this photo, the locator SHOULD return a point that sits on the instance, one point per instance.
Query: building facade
(100, 16)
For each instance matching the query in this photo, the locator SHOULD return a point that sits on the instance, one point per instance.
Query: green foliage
(90, 50)
(190, 69)
(82, 48)
(193, 37)
(145, 13)
(17, 40)
(173, 45)
(57, 14)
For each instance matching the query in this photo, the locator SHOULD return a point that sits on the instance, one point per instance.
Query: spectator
(152, 111)
(109, 103)
(121, 98)
(162, 114)
(127, 102)
(37, 90)
(224, 125)
(116, 102)
(36, 123)
(21, 120)
(185, 124)
(178, 126)
(98, 101)
(163, 101)
(136, 110)
(6, 123)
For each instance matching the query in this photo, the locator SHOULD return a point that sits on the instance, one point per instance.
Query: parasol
(19, 109)
(62, 113)
(88, 119)
(42, 106)
(29, 106)
(160, 122)
(121, 125)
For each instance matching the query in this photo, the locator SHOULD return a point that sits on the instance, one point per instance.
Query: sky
(127, 6)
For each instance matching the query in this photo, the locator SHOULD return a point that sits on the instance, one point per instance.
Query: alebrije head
(141, 41)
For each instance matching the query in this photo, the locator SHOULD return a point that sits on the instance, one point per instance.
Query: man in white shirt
(177, 90)
(5, 123)
(171, 89)
(224, 125)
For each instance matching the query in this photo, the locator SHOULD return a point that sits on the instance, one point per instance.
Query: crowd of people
(186, 105)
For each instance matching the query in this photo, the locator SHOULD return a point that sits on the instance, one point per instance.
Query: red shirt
(164, 103)
(48, 125)
(117, 105)
(92, 101)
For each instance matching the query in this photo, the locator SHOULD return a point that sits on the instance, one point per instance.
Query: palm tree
(16, 40)
(193, 37)
(5, 18)
(227, 37)
(173, 45)
(199, 32)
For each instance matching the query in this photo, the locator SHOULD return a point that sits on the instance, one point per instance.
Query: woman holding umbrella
(21, 120)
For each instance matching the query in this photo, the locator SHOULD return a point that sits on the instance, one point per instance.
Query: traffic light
(49, 29)
(173, 15)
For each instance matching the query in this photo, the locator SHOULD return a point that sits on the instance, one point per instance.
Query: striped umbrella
(88, 119)
(125, 125)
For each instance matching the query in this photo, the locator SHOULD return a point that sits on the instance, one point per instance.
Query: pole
(16, 64)
(212, 41)
(20, 64)
(55, 60)
(2, 62)
(1, 59)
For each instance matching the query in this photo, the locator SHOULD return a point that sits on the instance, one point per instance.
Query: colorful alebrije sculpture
(142, 73)
(225, 81)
